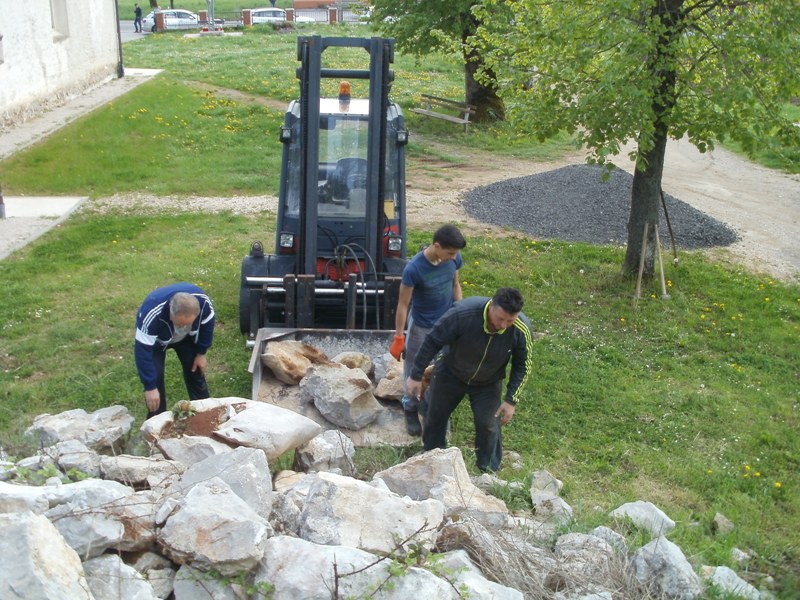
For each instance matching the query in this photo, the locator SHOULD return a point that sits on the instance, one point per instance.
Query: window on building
(58, 18)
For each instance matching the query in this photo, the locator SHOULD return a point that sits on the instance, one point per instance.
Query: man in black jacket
(477, 336)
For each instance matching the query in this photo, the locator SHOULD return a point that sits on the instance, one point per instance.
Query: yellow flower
(709, 472)
(747, 467)
(778, 484)
(757, 474)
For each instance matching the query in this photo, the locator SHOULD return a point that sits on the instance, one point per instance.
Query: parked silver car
(268, 15)
(173, 19)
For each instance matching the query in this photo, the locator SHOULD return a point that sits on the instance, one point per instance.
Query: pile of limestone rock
(201, 515)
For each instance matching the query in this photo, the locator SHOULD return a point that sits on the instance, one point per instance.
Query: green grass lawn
(691, 403)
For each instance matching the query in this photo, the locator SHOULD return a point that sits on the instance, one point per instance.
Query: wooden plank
(462, 106)
(430, 113)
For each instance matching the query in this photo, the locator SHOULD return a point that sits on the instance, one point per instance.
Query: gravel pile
(574, 204)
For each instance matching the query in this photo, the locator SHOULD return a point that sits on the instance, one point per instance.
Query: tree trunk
(488, 105)
(645, 199)
(646, 189)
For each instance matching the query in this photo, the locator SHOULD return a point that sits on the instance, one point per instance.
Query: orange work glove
(396, 349)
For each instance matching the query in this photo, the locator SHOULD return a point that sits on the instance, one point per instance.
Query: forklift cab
(342, 171)
(341, 228)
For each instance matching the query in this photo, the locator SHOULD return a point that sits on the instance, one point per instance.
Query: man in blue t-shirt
(430, 286)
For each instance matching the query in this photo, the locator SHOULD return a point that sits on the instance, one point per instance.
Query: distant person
(272, 3)
(429, 286)
(137, 21)
(181, 317)
(478, 337)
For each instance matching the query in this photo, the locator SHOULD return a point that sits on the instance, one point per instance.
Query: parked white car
(173, 19)
(268, 15)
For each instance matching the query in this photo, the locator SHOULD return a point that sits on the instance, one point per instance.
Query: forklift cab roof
(355, 106)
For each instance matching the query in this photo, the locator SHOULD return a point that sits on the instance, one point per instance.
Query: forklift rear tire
(244, 310)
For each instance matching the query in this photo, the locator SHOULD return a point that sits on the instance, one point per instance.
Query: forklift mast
(340, 240)
(311, 73)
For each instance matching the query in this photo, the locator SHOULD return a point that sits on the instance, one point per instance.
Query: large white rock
(245, 470)
(466, 574)
(272, 429)
(664, 565)
(36, 563)
(207, 410)
(345, 511)
(544, 481)
(80, 511)
(728, 582)
(213, 528)
(343, 396)
(192, 584)
(137, 515)
(18, 498)
(302, 569)
(111, 579)
(551, 508)
(191, 449)
(645, 515)
(104, 429)
(139, 471)
(289, 360)
(585, 555)
(330, 450)
(74, 454)
(442, 475)
(156, 569)
(390, 387)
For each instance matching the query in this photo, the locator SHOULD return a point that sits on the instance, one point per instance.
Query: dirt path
(761, 204)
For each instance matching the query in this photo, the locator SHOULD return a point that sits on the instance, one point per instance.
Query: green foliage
(183, 409)
(242, 583)
(423, 28)
(602, 69)
(39, 476)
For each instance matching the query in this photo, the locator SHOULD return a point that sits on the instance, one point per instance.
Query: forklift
(340, 243)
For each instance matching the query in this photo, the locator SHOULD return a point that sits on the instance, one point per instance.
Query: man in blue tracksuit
(478, 337)
(181, 317)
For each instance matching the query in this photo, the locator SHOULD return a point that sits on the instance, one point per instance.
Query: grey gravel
(575, 204)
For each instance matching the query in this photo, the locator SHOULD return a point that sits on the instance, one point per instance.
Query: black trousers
(195, 382)
(443, 395)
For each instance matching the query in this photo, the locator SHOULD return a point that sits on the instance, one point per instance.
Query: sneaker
(412, 423)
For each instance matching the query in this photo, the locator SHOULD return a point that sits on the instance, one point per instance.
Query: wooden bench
(462, 110)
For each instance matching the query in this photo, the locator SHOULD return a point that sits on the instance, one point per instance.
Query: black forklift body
(340, 244)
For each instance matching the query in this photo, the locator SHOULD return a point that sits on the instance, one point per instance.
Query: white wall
(51, 50)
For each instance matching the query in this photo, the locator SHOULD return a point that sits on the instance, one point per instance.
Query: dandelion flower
(778, 484)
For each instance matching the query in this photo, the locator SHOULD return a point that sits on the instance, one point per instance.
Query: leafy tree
(423, 27)
(646, 70)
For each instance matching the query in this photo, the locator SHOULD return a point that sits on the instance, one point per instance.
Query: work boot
(412, 423)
